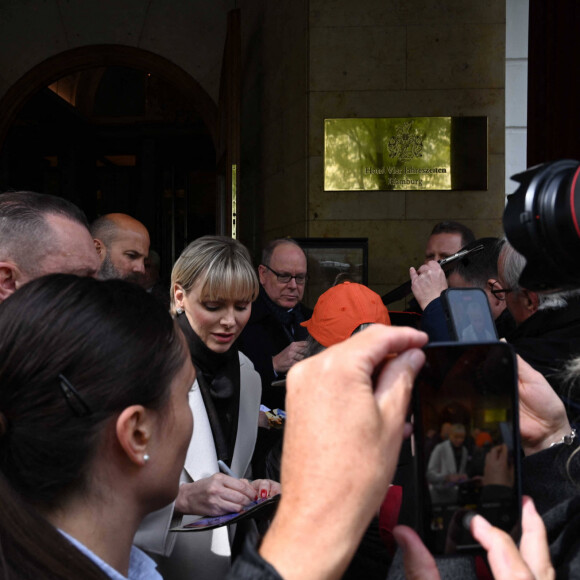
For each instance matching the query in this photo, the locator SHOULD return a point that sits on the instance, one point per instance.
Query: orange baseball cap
(342, 309)
(483, 438)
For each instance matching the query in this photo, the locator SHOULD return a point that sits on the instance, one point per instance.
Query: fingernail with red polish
(263, 493)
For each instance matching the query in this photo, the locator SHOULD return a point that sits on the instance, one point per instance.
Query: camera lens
(541, 222)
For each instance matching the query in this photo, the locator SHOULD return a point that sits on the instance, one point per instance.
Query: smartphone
(466, 443)
(468, 315)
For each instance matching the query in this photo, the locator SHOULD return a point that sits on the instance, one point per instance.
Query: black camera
(542, 222)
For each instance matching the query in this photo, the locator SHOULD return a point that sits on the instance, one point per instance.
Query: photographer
(478, 270)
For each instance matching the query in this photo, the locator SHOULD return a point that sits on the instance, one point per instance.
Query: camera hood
(541, 221)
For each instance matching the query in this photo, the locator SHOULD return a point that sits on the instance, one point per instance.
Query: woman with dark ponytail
(213, 284)
(94, 426)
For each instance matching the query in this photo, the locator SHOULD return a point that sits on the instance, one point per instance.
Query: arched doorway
(114, 128)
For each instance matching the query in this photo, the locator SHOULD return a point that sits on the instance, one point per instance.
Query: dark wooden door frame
(229, 119)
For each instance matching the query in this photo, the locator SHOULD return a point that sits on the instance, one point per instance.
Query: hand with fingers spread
(530, 562)
(543, 419)
(214, 496)
(292, 354)
(427, 282)
(346, 417)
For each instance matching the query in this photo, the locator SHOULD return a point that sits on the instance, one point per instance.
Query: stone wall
(189, 33)
(395, 58)
(304, 61)
(275, 113)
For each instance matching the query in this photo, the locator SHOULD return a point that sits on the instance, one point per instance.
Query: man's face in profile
(125, 256)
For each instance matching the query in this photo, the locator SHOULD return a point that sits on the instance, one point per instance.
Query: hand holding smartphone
(466, 444)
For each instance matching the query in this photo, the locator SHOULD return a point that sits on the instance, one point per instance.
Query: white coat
(203, 555)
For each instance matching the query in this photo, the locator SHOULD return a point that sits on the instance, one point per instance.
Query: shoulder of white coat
(244, 360)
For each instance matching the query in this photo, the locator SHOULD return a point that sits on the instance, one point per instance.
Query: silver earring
(179, 310)
(146, 458)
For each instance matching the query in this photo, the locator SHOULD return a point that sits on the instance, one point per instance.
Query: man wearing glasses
(478, 270)
(273, 338)
(547, 335)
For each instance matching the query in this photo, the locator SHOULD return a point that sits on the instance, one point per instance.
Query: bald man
(122, 244)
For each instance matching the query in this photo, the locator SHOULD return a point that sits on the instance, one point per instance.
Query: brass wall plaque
(412, 153)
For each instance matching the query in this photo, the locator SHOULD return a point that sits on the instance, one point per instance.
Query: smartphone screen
(466, 444)
(468, 315)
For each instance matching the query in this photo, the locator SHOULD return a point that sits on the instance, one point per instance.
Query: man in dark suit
(273, 338)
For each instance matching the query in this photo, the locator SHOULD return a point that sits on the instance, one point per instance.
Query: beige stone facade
(304, 61)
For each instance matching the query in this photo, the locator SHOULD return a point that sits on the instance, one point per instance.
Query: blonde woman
(213, 285)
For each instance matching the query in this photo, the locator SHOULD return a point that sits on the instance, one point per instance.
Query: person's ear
(101, 248)
(262, 271)
(134, 428)
(178, 295)
(531, 301)
(9, 276)
(494, 301)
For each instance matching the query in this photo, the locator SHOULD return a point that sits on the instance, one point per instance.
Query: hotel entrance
(119, 129)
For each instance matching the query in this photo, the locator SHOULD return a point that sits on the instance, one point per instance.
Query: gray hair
(513, 265)
(570, 374)
(25, 236)
(221, 265)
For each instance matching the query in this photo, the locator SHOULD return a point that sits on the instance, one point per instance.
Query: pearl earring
(146, 458)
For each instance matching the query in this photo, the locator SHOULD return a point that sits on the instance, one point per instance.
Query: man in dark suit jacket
(273, 338)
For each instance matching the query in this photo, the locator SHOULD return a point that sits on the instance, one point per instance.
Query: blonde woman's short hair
(221, 265)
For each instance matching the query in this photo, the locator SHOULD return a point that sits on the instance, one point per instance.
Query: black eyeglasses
(285, 278)
(499, 292)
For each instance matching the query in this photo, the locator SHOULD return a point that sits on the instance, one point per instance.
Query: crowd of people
(125, 416)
